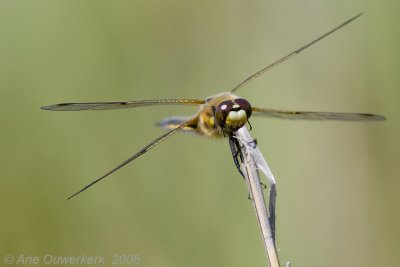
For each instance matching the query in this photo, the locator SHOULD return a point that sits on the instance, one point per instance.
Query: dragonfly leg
(253, 143)
(236, 153)
(264, 186)
(251, 127)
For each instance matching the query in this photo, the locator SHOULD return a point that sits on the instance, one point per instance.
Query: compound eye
(223, 110)
(245, 105)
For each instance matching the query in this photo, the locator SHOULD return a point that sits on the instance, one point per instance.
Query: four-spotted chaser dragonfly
(220, 115)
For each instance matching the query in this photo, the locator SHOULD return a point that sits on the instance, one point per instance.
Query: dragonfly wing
(154, 143)
(297, 51)
(120, 105)
(315, 115)
(173, 122)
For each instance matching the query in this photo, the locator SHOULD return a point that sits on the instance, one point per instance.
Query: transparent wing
(297, 51)
(314, 115)
(138, 154)
(173, 122)
(120, 105)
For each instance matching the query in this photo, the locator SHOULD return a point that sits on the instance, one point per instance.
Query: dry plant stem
(252, 162)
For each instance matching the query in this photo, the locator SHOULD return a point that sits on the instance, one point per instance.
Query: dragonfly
(219, 116)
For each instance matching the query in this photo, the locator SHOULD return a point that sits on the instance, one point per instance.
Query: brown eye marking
(245, 105)
(223, 110)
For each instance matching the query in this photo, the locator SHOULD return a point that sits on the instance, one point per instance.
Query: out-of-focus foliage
(183, 203)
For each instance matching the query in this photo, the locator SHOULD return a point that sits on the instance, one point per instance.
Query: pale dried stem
(253, 161)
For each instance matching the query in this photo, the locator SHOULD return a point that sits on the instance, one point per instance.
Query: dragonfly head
(233, 113)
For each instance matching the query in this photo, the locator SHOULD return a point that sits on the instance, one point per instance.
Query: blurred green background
(183, 203)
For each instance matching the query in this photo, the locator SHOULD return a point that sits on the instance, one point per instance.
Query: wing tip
(55, 107)
(374, 117)
(73, 195)
(45, 107)
(62, 107)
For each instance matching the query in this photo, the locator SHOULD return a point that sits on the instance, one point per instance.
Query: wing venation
(120, 105)
(315, 115)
